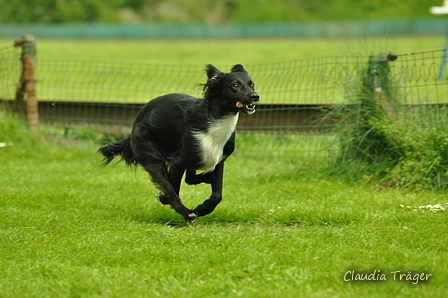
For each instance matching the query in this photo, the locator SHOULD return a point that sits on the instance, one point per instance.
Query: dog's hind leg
(159, 175)
(150, 158)
(216, 181)
(175, 174)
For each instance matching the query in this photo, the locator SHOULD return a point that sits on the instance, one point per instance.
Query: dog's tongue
(239, 105)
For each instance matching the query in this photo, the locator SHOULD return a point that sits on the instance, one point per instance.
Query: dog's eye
(236, 86)
(252, 86)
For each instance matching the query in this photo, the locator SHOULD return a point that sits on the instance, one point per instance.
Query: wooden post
(27, 83)
(379, 81)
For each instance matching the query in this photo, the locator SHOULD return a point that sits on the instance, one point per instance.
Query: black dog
(178, 133)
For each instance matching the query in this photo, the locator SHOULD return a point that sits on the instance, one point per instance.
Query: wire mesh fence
(105, 81)
(10, 67)
(420, 82)
(323, 80)
(294, 95)
(311, 81)
(421, 77)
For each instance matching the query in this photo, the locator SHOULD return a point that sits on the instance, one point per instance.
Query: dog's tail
(122, 148)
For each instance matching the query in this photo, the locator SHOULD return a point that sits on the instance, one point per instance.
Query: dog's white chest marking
(212, 141)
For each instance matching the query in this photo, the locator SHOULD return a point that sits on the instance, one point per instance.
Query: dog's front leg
(216, 181)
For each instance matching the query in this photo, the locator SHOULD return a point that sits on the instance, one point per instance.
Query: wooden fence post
(27, 83)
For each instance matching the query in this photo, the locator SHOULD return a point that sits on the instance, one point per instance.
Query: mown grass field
(70, 228)
(229, 52)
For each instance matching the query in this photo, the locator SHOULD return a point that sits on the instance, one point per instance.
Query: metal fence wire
(10, 67)
(106, 96)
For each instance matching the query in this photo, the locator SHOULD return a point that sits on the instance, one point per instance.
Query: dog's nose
(255, 97)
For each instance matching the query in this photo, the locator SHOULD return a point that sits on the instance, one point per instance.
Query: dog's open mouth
(247, 108)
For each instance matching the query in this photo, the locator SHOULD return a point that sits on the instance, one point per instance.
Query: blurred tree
(58, 11)
(211, 11)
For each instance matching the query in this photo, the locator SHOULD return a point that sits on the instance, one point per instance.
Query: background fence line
(310, 29)
(295, 95)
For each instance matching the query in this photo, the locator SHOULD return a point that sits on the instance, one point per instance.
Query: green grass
(70, 228)
(228, 52)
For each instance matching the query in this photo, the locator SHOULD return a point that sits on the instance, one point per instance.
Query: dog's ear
(212, 72)
(238, 68)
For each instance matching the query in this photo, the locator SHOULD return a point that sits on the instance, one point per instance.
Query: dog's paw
(191, 217)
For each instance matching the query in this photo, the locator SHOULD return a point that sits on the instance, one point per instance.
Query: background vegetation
(211, 11)
(383, 139)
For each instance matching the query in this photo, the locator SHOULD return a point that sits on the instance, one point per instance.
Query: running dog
(177, 134)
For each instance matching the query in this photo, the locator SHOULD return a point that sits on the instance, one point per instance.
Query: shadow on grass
(170, 218)
(296, 220)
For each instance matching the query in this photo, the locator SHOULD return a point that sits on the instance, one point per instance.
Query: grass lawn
(228, 51)
(70, 228)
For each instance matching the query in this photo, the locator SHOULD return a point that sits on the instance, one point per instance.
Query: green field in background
(229, 52)
(226, 51)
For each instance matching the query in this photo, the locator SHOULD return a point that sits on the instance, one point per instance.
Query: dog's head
(235, 90)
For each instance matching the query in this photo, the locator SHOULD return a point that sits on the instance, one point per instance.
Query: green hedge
(209, 11)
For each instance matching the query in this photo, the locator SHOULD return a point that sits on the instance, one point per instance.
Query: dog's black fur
(178, 133)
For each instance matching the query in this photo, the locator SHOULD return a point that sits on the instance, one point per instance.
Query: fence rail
(295, 95)
(116, 119)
